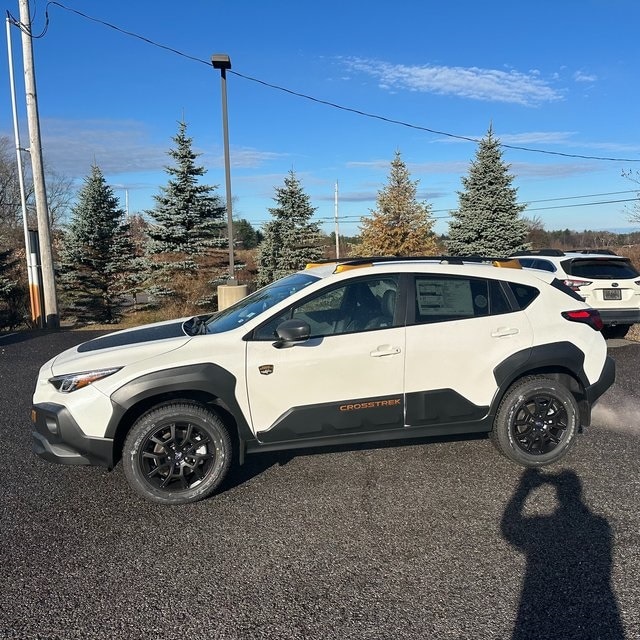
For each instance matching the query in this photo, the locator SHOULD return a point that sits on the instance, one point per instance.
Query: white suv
(354, 351)
(606, 281)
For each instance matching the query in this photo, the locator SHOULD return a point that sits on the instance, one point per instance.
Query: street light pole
(223, 62)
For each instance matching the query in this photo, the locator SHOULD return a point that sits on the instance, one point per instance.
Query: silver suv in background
(607, 282)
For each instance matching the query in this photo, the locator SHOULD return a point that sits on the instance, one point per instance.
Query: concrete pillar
(230, 293)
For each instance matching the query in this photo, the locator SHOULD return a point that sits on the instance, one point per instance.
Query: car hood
(122, 347)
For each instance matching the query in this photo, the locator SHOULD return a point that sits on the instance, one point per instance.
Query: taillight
(576, 284)
(587, 316)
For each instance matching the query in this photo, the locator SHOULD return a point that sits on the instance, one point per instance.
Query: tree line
(169, 260)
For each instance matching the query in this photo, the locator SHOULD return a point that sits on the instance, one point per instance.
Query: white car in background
(607, 282)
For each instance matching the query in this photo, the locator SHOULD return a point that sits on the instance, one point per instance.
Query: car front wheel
(177, 453)
(536, 423)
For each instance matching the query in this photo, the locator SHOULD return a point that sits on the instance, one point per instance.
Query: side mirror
(291, 331)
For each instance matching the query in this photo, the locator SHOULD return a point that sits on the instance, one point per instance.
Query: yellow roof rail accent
(315, 265)
(347, 267)
(509, 264)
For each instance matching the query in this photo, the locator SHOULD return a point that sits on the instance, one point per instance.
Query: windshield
(258, 302)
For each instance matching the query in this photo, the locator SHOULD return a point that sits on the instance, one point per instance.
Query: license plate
(612, 294)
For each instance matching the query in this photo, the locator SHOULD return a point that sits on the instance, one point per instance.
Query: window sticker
(444, 297)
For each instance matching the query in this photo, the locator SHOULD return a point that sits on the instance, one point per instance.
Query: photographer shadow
(567, 590)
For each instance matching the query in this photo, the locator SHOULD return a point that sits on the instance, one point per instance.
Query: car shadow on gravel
(567, 590)
(257, 463)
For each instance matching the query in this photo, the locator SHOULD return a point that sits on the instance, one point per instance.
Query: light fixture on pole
(223, 62)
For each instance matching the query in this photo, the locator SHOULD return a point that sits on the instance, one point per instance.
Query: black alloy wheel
(177, 453)
(537, 422)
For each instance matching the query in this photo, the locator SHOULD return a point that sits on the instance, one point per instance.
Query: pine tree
(290, 240)
(7, 283)
(400, 225)
(188, 219)
(13, 297)
(96, 255)
(488, 220)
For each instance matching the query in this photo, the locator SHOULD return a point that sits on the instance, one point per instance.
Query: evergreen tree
(488, 220)
(290, 240)
(400, 225)
(188, 219)
(13, 297)
(246, 234)
(96, 255)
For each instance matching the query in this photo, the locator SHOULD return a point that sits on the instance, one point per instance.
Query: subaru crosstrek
(347, 352)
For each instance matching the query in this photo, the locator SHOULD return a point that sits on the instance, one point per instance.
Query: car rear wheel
(616, 331)
(177, 453)
(536, 423)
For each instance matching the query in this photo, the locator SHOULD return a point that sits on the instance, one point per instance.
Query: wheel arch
(541, 361)
(206, 384)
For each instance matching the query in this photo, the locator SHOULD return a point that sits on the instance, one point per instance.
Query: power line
(320, 101)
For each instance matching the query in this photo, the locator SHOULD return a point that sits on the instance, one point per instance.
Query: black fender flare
(538, 358)
(206, 377)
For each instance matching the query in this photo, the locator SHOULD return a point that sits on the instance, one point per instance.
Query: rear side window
(524, 293)
(600, 269)
(442, 298)
(545, 265)
(535, 263)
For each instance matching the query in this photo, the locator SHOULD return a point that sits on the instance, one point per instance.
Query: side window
(442, 298)
(524, 294)
(545, 265)
(359, 305)
(498, 302)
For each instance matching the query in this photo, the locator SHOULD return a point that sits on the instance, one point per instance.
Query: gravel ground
(440, 539)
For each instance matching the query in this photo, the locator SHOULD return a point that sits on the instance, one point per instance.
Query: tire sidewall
(153, 420)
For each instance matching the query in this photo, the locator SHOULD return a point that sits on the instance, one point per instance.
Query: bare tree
(634, 209)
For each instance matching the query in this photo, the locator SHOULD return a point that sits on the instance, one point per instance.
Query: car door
(461, 329)
(346, 379)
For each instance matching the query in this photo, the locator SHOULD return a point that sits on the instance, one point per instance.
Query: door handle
(501, 332)
(385, 350)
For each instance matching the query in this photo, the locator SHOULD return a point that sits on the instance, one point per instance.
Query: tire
(177, 453)
(536, 423)
(616, 331)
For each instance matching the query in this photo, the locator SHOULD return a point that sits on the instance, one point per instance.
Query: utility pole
(52, 319)
(337, 224)
(35, 292)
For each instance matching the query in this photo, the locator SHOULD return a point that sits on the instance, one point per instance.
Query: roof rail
(540, 252)
(604, 252)
(356, 261)
(450, 259)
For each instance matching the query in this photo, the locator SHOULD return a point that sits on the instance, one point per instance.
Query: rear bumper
(56, 437)
(619, 316)
(606, 379)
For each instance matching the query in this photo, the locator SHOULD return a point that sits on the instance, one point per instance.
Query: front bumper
(56, 437)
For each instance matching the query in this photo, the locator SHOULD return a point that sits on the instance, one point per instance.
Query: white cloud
(581, 76)
(490, 85)
(553, 170)
(70, 147)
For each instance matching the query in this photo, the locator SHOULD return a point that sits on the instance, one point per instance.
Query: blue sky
(558, 76)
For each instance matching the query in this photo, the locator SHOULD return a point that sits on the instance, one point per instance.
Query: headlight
(72, 381)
